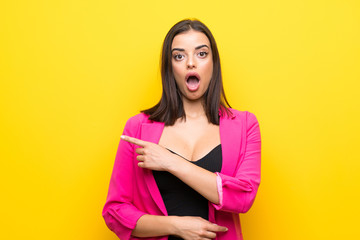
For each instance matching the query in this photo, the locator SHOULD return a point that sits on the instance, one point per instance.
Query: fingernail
(226, 229)
(122, 137)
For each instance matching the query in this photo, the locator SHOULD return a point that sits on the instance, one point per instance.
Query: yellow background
(73, 71)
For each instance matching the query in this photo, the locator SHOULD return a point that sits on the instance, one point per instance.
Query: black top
(179, 198)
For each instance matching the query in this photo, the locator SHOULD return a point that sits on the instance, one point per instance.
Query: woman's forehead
(190, 40)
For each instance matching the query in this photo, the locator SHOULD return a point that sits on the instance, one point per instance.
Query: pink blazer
(133, 191)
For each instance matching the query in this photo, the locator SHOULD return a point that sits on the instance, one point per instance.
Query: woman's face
(192, 63)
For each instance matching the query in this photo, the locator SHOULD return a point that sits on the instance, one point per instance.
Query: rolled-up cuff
(220, 192)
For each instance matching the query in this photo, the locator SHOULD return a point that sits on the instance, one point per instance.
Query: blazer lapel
(151, 132)
(230, 137)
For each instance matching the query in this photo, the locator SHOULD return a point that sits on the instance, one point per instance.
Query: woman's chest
(191, 141)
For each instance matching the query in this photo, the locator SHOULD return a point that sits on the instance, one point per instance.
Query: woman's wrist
(173, 229)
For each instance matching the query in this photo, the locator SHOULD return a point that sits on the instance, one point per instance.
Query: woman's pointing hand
(151, 155)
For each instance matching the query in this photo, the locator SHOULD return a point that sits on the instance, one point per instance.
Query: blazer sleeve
(119, 213)
(237, 193)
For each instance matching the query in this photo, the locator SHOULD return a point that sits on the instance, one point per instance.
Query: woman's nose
(191, 63)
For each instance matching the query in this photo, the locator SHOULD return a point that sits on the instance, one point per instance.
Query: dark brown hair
(170, 106)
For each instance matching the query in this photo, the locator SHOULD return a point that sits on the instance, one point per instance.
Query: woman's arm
(228, 193)
(184, 227)
(237, 193)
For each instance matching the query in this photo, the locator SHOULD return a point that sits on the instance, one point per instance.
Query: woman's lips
(192, 81)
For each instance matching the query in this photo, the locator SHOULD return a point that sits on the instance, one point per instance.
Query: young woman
(188, 166)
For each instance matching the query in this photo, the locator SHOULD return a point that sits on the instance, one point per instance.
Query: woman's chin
(193, 97)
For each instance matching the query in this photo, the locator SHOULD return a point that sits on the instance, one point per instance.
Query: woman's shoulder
(245, 118)
(241, 115)
(138, 119)
(133, 124)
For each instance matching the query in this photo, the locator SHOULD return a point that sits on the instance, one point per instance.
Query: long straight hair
(170, 107)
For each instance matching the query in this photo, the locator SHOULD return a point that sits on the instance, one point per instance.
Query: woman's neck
(194, 109)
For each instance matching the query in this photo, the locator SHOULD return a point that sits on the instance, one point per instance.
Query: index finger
(135, 141)
(217, 228)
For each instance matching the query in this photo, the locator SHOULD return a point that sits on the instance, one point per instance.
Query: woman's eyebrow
(181, 49)
(177, 49)
(201, 46)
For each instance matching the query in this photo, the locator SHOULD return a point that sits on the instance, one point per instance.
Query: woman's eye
(178, 57)
(203, 54)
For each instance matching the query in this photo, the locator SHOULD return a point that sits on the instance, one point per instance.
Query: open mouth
(192, 81)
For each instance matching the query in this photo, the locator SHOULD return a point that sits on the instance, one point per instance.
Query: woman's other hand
(151, 155)
(191, 228)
